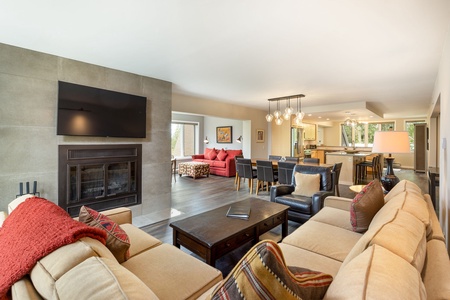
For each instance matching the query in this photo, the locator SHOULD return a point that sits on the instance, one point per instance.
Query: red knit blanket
(34, 229)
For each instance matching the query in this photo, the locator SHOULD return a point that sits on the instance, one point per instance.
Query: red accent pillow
(222, 155)
(117, 239)
(210, 154)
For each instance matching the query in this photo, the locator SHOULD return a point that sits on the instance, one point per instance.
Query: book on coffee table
(239, 210)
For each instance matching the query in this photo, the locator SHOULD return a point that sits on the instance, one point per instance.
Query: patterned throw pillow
(117, 240)
(262, 274)
(222, 155)
(365, 205)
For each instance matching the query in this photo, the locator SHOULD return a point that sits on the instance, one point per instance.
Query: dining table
(275, 163)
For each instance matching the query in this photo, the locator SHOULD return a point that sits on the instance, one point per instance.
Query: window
(409, 126)
(183, 139)
(362, 134)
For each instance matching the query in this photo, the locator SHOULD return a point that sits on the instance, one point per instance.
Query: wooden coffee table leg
(284, 226)
(175, 239)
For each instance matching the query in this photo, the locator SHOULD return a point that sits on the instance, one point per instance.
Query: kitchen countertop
(343, 153)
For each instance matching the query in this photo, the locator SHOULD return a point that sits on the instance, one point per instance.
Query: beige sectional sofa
(86, 269)
(402, 255)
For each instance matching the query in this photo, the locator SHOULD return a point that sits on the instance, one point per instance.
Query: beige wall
(442, 92)
(253, 119)
(28, 140)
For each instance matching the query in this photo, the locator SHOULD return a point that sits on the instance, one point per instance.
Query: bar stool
(361, 169)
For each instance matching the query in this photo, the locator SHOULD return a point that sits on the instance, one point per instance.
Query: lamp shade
(391, 142)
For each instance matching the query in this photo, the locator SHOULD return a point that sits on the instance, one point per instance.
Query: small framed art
(260, 135)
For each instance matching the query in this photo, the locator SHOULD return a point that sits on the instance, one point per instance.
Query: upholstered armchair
(306, 194)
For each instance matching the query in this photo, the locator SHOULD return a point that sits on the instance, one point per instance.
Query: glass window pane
(189, 139)
(409, 127)
(346, 135)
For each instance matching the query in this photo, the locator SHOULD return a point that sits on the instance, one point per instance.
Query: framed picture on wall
(260, 135)
(224, 134)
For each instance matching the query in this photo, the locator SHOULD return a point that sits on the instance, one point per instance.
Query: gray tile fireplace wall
(28, 140)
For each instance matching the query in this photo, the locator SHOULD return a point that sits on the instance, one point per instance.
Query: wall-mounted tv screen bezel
(89, 111)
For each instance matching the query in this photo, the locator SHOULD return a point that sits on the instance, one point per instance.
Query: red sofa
(221, 162)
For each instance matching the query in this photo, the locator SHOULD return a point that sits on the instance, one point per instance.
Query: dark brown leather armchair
(303, 208)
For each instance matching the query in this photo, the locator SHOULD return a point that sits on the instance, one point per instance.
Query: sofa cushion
(411, 202)
(404, 235)
(377, 273)
(222, 155)
(262, 274)
(333, 241)
(51, 267)
(117, 240)
(101, 278)
(403, 186)
(333, 216)
(436, 275)
(169, 265)
(140, 241)
(365, 205)
(210, 154)
(217, 163)
(295, 256)
(306, 184)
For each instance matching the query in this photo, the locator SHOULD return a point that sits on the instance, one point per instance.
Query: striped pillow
(262, 274)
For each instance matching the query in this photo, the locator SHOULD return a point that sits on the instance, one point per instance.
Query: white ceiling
(383, 54)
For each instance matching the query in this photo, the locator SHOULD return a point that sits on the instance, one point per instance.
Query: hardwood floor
(191, 197)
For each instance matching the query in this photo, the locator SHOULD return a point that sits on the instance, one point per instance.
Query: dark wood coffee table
(212, 234)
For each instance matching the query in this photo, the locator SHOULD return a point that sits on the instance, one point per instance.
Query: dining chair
(274, 157)
(292, 159)
(245, 170)
(285, 170)
(310, 160)
(236, 178)
(265, 174)
(337, 171)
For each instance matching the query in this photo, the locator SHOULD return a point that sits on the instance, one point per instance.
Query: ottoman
(193, 168)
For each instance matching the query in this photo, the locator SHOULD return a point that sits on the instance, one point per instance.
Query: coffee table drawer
(270, 223)
(234, 242)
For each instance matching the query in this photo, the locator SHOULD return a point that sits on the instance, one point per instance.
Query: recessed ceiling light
(328, 119)
(309, 115)
(319, 117)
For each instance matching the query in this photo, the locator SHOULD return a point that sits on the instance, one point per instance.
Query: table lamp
(390, 142)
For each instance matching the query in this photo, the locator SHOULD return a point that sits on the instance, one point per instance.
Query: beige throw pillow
(306, 184)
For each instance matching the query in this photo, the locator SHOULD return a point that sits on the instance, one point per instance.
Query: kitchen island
(349, 161)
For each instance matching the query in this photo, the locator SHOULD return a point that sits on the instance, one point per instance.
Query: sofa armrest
(3, 216)
(120, 215)
(338, 202)
(198, 156)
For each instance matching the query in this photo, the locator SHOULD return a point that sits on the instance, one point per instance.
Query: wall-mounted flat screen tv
(89, 111)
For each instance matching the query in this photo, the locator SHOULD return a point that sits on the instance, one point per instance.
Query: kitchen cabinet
(309, 132)
(320, 154)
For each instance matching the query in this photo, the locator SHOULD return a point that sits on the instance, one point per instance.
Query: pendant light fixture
(288, 111)
(269, 116)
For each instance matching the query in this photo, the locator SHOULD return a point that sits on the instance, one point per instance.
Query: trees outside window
(409, 127)
(183, 139)
(362, 134)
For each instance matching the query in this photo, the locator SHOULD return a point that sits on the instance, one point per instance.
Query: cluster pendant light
(288, 111)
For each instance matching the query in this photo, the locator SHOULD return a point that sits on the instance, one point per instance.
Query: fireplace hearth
(99, 176)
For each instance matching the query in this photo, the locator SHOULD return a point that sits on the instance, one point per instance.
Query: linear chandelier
(288, 111)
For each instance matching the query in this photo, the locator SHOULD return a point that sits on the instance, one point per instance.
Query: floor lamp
(390, 142)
